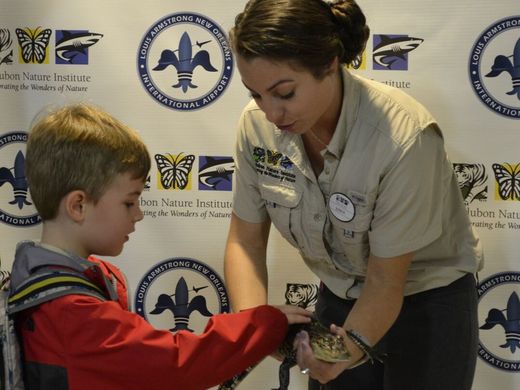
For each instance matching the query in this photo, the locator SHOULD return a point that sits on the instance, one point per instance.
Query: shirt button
(317, 217)
(327, 171)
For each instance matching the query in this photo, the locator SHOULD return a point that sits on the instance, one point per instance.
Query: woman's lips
(285, 127)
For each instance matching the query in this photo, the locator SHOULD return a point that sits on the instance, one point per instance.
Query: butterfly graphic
(174, 170)
(33, 44)
(273, 157)
(508, 180)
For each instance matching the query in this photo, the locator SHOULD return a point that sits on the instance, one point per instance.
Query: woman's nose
(274, 112)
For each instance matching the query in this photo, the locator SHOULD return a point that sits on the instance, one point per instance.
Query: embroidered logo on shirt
(273, 164)
(357, 198)
(348, 233)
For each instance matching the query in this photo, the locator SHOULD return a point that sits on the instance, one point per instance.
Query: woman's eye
(287, 96)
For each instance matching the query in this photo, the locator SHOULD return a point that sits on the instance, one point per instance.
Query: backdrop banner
(461, 59)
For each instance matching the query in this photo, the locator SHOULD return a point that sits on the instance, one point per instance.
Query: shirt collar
(348, 115)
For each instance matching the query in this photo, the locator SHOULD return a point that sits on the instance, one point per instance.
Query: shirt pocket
(350, 241)
(283, 206)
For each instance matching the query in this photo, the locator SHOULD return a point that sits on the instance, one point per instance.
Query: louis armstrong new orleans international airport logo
(16, 208)
(494, 67)
(180, 294)
(499, 321)
(184, 61)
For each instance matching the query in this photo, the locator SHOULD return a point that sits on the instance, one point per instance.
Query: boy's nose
(139, 215)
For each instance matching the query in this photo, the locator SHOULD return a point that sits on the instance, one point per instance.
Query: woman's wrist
(369, 353)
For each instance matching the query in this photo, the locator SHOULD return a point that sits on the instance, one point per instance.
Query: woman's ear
(334, 66)
(74, 204)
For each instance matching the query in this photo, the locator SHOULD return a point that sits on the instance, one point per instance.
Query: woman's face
(292, 99)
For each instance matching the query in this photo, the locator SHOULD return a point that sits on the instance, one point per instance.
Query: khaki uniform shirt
(387, 188)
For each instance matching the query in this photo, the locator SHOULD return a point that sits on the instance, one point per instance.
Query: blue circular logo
(16, 208)
(184, 61)
(494, 67)
(499, 305)
(180, 294)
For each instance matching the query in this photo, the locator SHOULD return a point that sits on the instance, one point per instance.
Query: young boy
(86, 171)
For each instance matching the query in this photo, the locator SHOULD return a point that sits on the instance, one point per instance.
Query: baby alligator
(325, 346)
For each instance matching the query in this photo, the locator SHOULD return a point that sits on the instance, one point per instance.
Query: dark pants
(432, 345)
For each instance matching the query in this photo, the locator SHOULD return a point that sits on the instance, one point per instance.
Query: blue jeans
(431, 346)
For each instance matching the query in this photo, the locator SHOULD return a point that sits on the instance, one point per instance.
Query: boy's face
(109, 222)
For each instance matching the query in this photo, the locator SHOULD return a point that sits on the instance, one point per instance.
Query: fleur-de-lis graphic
(504, 64)
(182, 307)
(184, 63)
(511, 323)
(17, 181)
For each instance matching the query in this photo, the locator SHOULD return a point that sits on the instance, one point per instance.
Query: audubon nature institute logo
(494, 67)
(184, 61)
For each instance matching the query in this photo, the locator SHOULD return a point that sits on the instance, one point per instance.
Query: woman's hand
(317, 369)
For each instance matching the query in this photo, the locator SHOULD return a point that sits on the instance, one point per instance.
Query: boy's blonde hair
(80, 147)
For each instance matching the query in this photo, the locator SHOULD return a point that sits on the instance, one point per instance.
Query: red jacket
(78, 342)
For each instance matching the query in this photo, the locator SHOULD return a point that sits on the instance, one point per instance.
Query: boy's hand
(295, 314)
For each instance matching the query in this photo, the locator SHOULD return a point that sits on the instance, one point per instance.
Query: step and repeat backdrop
(461, 59)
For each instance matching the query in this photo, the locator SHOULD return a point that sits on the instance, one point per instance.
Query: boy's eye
(129, 204)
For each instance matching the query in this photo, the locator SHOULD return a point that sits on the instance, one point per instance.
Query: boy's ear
(75, 202)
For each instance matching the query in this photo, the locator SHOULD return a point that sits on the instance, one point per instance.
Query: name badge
(342, 207)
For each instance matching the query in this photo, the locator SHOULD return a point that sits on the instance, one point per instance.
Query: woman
(354, 174)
